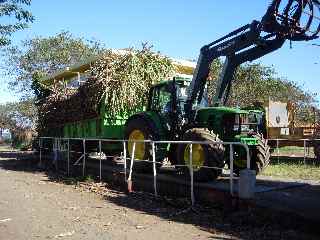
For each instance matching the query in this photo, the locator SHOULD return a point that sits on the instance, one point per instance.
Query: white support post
(248, 157)
(247, 179)
(131, 161)
(191, 176)
(68, 158)
(84, 158)
(100, 158)
(304, 151)
(231, 169)
(125, 160)
(154, 169)
(131, 167)
(278, 151)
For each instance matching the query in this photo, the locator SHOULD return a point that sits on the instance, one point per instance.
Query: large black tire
(261, 155)
(213, 154)
(149, 132)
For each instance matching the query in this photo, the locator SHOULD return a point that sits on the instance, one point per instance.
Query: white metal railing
(305, 147)
(58, 147)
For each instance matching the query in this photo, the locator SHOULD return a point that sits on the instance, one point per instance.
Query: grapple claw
(296, 20)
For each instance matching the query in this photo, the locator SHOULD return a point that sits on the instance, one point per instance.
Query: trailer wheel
(139, 129)
(211, 155)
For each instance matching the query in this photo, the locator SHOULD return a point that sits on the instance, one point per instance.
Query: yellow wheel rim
(197, 156)
(136, 135)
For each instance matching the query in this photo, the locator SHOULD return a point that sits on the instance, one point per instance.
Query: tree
(17, 118)
(35, 58)
(9, 8)
(20, 115)
(28, 63)
(258, 83)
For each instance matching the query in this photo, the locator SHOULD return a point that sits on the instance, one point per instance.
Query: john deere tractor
(179, 110)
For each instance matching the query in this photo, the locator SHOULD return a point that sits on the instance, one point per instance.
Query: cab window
(161, 99)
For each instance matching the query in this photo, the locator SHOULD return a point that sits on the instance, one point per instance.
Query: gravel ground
(42, 205)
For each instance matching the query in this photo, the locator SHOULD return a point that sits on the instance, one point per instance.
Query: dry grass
(293, 171)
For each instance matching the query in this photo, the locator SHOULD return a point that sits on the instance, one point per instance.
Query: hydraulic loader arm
(248, 43)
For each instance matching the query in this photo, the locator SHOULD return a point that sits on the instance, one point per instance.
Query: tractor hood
(210, 116)
(204, 113)
(219, 119)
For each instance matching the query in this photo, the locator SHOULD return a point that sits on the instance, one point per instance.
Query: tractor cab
(167, 100)
(168, 96)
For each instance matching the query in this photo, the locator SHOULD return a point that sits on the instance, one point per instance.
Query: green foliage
(256, 83)
(19, 118)
(127, 78)
(5, 120)
(40, 91)
(42, 56)
(20, 115)
(15, 8)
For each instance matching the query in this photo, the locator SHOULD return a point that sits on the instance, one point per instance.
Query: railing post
(100, 153)
(125, 160)
(131, 167)
(84, 157)
(278, 151)
(154, 169)
(304, 151)
(68, 158)
(248, 156)
(191, 175)
(231, 169)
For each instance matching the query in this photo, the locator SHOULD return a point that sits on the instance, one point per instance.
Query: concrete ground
(295, 196)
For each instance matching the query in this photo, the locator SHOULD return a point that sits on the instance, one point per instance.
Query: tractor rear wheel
(139, 129)
(210, 155)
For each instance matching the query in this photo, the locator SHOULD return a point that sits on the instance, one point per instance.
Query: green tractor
(178, 110)
(165, 119)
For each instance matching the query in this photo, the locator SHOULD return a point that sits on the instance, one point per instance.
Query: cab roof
(226, 109)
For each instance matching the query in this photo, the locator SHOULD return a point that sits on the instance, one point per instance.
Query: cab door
(162, 102)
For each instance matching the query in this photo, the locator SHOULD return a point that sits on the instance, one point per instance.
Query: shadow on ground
(252, 223)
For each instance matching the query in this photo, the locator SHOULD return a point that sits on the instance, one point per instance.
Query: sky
(176, 28)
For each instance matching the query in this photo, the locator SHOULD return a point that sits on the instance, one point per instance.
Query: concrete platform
(301, 198)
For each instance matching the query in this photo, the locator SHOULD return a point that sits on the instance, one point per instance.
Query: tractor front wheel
(316, 150)
(261, 155)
